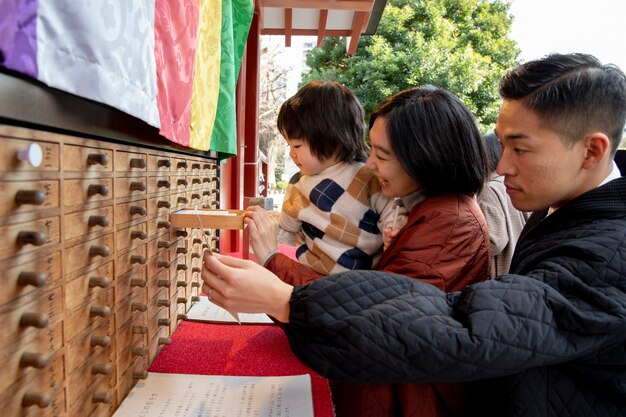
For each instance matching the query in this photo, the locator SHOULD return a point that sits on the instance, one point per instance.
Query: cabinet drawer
(28, 196)
(161, 163)
(36, 276)
(27, 237)
(135, 258)
(88, 285)
(130, 162)
(159, 206)
(130, 186)
(88, 253)
(88, 223)
(133, 308)
(160, 185)
(33, 397)
(134, 210)
(9, 161)
(87, 159)
(131, 236)
(98, 401)
(96, 368)
(81, 191)
(133, 281)
(91, 341)
(93, 313)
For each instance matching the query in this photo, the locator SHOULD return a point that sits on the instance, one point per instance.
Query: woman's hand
(242, 286)
(263, 229)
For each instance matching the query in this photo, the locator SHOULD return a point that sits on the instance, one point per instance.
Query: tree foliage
(460, 45)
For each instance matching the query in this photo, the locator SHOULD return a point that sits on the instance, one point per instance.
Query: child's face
(394, 180)
(309, 164)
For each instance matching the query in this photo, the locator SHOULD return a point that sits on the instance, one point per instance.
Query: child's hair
(329, 118)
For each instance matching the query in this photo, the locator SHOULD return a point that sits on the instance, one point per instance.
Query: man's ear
(598, 148)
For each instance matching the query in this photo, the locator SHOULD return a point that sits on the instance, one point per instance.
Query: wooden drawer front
(91, 341)
(34, 354)
(160, 163)
(158, 322)
(30, 278)
(131, 374)
(130, 162)
(179, 165)
(22, 397)
(159, 185)
(135, 258)
(159, 301)
(28, 320)
(158, 264)
(130, 186)
(81, 191)
(131, 333)
(131, 282)
(158, 246)
(95, 369)
(98, 401)
(28, 196)
(131, 236)
(128, 354)
(88, 223)
(179, 201)
(133, 308)
(27, 237)
(9, 161)
(92, 313)
(130, 211)
(159, 226)
(88, 253)
(159, 206)
(88, 286)
(160, 339)
(86, 159)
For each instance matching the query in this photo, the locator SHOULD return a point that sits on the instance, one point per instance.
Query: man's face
(540, 170)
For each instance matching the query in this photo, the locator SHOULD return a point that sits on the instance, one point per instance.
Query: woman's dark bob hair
(436, 140)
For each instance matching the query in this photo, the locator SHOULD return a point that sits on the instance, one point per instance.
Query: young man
(547, 339)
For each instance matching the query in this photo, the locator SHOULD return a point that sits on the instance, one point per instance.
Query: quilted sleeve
(377, 327)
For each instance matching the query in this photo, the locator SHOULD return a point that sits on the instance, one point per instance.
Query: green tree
(460, 45)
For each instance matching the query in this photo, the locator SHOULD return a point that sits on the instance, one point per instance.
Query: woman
(427, 151)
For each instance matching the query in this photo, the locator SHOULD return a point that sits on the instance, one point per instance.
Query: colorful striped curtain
(171, 63)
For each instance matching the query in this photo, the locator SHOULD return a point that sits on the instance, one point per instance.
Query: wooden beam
(355, 5)
(288, 26)
(358, 25)
(321, 27)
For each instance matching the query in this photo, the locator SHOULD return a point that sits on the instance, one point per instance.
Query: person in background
(504, 221)
(546, 339)
(427, 151)
(335, 211)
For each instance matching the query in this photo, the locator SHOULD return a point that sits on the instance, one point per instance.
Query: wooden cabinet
(95, 278)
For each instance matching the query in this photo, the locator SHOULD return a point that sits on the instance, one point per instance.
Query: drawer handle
(30, 238)
(139, 351)
(181, 284)
(183, 200)
(164, 184)
(197, 241)
(95, 189)
(206, 193)
(98, 159)
(206, 179)
(101, 282)
(32, 197)
(195, 166)
(101, 369)
(37, 320)
(138, 259)
(181, 250)
(36, 279)
(206, 166)
(103, 251)
(140, 375)
(102, 397)
(165, 341)
(181, 233)
(182, 182)
(102, 221)
(181, 317)
(104, 341)
(181, 300)
(100, 311)
(163, 303)
(140, 329)
(138, 163)
(136, 282)
(138, 234)
(195, 197)
(196, 181)
(137, 210)
(195, 284)
(195, 269)
(33, 154)
(163, 204)
(39, 399)
(181, 267)
(164, 322)
(163, 264)
(195, 255)
(163, 244)
(181, 165)
(138, 307)
(163, 283)
(34, 360)
(137, 186)
(195, 299)
(164, 163)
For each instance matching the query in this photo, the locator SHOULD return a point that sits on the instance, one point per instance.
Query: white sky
(597, 27)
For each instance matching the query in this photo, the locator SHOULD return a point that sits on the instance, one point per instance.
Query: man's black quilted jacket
(549, 339)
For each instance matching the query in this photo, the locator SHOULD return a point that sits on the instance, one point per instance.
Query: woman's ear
(598, 149)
